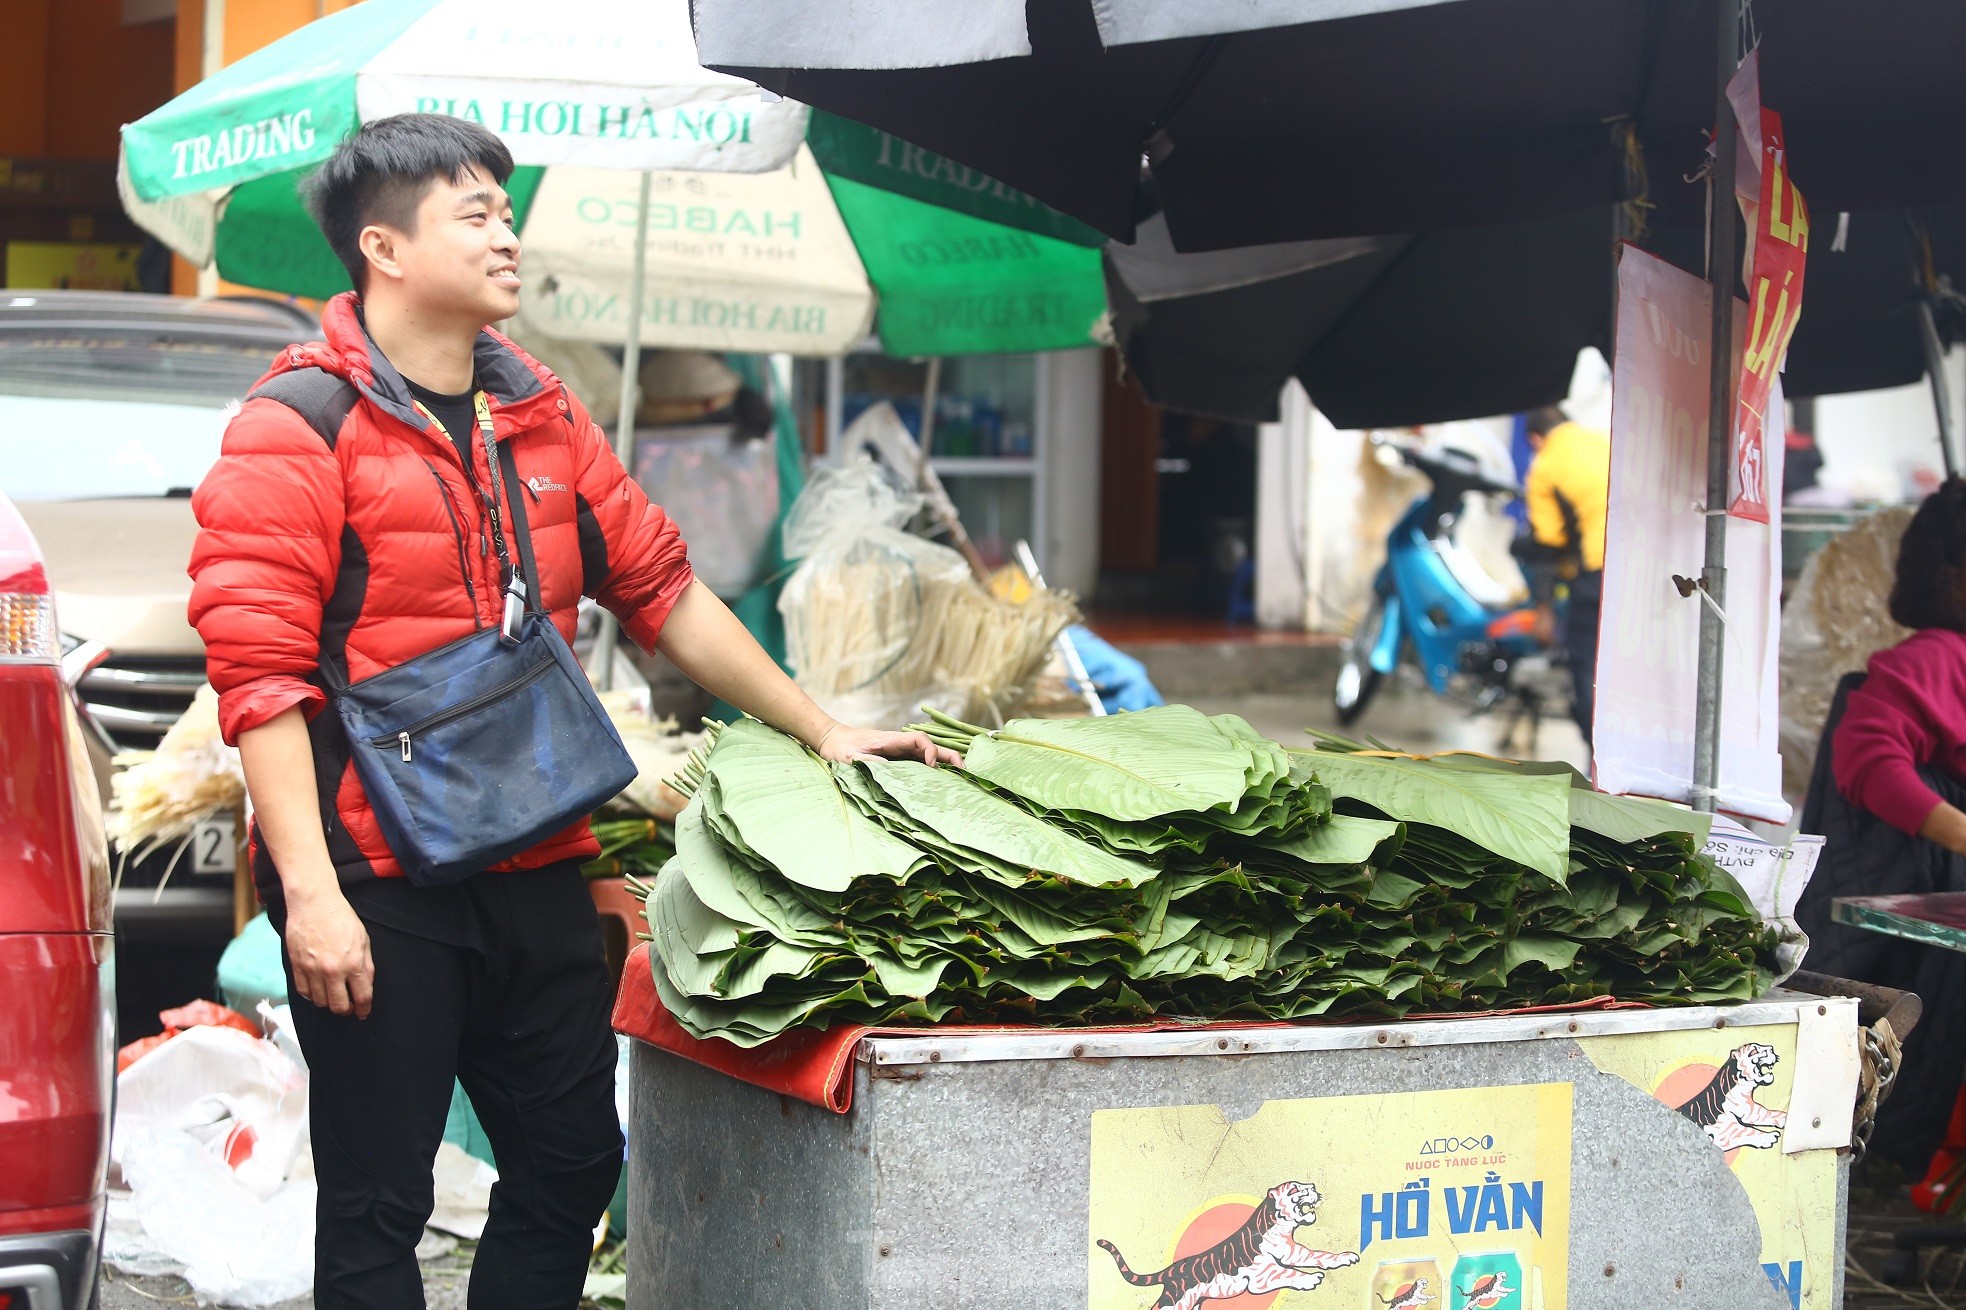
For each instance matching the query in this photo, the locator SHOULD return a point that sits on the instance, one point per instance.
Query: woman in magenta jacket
(1895, 823)
(1910, 712)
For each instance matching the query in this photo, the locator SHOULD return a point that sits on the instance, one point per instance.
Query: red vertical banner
(1778, 223)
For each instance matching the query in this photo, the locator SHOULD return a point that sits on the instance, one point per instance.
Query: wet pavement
(1406, 717)
(446, 1279)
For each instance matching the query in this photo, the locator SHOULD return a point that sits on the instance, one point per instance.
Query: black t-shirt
(457, 414)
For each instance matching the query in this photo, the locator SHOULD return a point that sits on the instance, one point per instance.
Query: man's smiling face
(462, 258)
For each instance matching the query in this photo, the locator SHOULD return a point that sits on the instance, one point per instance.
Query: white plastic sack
(277, 1022)
(237, 1248)
(237, 1095)
(1837, 617)
(722, 494)
(463, 1190)
(879, 623)
(210, 1133)
(660, 753)
(1774, 877)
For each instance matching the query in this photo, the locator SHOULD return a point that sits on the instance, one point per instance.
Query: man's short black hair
(1545, 420)
(1932, 563)
(382, 171)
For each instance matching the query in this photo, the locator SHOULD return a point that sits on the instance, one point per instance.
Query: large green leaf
(783, 799)
(1344, 839)
(1525, 819)
(1269, 762)
(741, 893)
(688, 971)
(1627, 819)
(961, 812)
(1166, 760)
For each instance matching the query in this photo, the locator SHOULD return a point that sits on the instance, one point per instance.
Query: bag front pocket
(405, 740)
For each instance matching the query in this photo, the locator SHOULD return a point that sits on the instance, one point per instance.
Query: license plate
(214, 847)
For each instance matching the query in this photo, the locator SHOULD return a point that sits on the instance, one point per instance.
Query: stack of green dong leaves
(1165, 863)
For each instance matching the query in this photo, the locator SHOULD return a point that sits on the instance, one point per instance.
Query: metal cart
(1693, 1157)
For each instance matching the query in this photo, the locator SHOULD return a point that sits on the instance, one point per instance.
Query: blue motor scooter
(1469, 637)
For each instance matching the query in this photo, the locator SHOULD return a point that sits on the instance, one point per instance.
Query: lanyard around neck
(515, 579)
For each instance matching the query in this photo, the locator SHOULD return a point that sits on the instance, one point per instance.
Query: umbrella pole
(624, 431)
(931, 396)
(1935, 369)
(1725, 254)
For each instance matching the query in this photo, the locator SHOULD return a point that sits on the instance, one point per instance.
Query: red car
(57, 1025)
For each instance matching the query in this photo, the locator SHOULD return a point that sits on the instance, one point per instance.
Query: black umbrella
(1874, 281)
(1473, 322)
(1390, 116)
(1265, 121)
(1416, 329)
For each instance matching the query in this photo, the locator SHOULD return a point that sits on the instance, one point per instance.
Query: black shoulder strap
(316, 395)
(515, 501)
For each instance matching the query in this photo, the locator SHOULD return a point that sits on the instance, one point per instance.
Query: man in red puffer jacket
(346, 523)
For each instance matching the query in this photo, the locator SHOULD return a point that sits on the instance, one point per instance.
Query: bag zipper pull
(404, 739)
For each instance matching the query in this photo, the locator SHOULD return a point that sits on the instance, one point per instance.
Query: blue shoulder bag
(484, 747)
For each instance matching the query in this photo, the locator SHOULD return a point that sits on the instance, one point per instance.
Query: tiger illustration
(1726, 1109)
(1489, 1291)
(1261, 1256)
(1409, 1296)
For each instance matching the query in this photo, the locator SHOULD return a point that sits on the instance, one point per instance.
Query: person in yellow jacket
(1568, 487)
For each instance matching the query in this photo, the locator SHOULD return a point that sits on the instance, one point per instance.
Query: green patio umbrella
(595, 83)
(803, 260)
(614, 96)
(858, 230)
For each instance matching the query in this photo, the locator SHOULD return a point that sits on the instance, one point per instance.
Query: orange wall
(24, 87)
(74, 74)
(189, 59)
(250, 24)
(101, 75)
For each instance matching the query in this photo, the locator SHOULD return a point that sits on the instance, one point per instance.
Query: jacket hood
(522, 391)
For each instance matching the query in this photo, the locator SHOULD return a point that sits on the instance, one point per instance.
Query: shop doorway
(1177, 510)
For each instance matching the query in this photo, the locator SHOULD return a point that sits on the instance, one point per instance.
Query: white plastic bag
(210, 1135)
(1774, 875)
(463, 1186)
(237, 1248)
(238, 1095)
(879, 623)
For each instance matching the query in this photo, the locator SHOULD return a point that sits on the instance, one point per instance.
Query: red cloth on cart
(812, 1064)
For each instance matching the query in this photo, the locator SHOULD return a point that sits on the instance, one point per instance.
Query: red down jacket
(376, 548)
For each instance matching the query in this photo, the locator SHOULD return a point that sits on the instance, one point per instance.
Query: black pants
(1580, 641)
(519, 1013)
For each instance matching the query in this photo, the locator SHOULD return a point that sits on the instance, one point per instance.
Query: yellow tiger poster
(1735, 1083)
(1442, 1200)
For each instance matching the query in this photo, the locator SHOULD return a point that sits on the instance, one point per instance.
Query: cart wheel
(1358, 681)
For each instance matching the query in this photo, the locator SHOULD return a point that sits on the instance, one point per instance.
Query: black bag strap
(521, 528)
(505, 482)
(318, 396)
(323, 400)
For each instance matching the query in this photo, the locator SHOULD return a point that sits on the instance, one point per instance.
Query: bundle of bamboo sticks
(887, 623)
